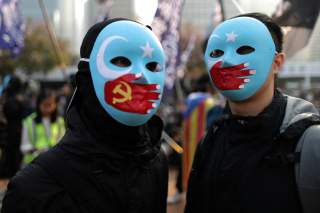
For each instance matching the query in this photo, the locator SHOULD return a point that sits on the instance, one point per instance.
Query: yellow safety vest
(39, 137)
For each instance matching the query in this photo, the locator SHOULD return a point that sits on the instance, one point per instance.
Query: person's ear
(278, 62)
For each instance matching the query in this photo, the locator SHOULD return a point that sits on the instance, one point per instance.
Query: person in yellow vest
(43, 128)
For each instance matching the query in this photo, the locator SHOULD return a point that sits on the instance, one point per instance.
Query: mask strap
(84, 59)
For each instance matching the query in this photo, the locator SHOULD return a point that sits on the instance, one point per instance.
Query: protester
(11, 115)
(42, 129)
(247, 160)
(13, 109)
(109, 159)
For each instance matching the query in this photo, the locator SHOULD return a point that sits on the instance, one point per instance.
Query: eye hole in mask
(216, 53)
(121, 61)
(153, 66)
(244, 50)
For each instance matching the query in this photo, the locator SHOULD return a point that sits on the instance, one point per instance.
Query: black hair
(273, 27)
(42, 96)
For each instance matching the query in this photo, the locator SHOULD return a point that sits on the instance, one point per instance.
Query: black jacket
(84, 174)
(11, 156)
(235, 169)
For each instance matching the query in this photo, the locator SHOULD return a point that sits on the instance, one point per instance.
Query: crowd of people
(31, 123)
(247, 146)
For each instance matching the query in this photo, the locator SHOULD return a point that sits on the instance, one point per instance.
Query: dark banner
(297, 13)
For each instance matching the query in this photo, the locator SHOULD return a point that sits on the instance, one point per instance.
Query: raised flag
(218, 13)
(297, 13)
(104, 9)
(297, 17)
(11, 26)
(166, 25)
(194, 127)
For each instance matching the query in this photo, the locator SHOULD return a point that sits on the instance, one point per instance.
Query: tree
(38, 53)
(7, 63)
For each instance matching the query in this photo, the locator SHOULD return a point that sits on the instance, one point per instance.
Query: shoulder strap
(293, 134)
(307, 170)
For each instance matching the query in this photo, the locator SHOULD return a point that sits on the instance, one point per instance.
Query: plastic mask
(239, 56)
(127, 68)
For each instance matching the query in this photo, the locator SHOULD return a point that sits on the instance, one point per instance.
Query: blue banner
(11, 26)
(166, 26)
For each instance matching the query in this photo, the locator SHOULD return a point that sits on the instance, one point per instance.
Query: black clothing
(11, 156)
(86, 173)
(100, 165)
(230, 173)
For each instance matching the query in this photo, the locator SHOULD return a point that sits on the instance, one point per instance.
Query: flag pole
(174, 145)
(53, 38)
(237, 5)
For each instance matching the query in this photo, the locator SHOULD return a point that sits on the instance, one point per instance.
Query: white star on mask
(231, 36)
(147, 50)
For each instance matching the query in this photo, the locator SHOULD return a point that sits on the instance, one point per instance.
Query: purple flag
(104, 9)
(166, 26)
(11, 26)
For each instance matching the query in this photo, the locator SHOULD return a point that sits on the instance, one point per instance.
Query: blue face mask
(239, 56)
(127, 69)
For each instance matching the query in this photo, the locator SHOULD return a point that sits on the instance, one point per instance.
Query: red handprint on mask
(230, 78)
(127, 96)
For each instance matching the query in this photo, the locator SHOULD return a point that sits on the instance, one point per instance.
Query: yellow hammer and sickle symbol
(126, 94)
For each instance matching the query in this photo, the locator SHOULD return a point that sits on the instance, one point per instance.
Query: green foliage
(38, 54)
(7, 64)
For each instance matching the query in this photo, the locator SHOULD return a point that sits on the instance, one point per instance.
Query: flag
(297, 17)
(11, 26)
(104, 9)
(297, 13)
(217, 16)
(166, 25)
(194, 126)
(218, 13)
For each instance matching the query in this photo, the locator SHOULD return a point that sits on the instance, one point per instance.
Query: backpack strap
(292, 135)
(307, 170)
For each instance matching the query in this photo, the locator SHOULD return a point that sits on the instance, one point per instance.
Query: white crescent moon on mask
(101, 66)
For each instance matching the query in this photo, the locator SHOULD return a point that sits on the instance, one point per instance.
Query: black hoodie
(99, 165)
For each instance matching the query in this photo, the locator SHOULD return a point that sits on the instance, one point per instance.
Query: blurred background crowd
(39, 52)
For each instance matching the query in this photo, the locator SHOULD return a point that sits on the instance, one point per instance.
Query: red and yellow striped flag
(194, 127)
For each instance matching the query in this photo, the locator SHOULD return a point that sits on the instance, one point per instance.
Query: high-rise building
(123, 9)
(199, 13)
(72, 19)
(31, 9)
